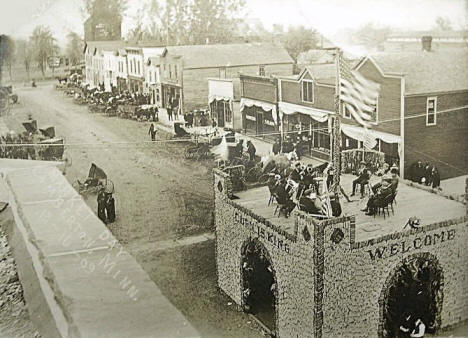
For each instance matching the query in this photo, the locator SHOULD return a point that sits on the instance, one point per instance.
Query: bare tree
(44, 45)
(371, 35)
(443, 24)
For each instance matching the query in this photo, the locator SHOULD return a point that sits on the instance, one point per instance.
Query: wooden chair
(383, 204)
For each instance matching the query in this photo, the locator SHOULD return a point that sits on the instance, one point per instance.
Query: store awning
(266, 106)
(359, 133)
(212, 98)
(290, 109)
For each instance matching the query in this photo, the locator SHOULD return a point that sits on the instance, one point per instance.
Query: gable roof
(325, 73)
(229, 55)
(113, 45)
(428, 72)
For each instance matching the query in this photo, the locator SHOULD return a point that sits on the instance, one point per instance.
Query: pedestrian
(101, 200)
(169, 113)
(152, 131)
(110, 208)
(251, 150)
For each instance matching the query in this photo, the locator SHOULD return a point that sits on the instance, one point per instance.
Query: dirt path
(160, 197)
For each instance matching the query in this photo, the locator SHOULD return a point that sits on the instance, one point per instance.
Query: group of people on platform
(424, 173)
(300, 187)
(382, 191)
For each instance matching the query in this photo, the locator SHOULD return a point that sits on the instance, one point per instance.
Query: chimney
(426, 43)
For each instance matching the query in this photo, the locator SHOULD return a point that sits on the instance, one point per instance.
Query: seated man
(296, 173)
(374, 201)
(362, 180)
(308, 203)
(284, 199)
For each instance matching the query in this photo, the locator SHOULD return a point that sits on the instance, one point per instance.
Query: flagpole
(336, 129)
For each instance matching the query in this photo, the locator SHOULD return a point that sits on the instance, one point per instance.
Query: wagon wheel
(188, 153)
(263, 179)
(253, 174)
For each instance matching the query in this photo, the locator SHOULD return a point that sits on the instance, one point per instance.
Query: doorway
(259, 287)
(414, 288)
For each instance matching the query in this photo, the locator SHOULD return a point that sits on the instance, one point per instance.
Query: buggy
(199, 151)
(96, 180)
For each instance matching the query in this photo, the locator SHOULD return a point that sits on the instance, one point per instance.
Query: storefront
(171, 96)
(354, 136)
(135, 84)
(308, 126)
(221, 111)
(121, 84)
(259, 118)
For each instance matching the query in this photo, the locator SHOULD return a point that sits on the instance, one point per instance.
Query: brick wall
(195, 81)
(444, 144)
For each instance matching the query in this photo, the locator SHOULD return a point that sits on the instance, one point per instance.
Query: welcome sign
(407, 245)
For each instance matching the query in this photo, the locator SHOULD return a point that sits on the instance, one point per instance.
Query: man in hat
(362, 180)
(101, 201)
(381, 193)
(296, 173)
(251, 150)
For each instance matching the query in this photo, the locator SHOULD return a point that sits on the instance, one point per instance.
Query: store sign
(423, 241)
(258, 229)
(269, 123)
(251, 118)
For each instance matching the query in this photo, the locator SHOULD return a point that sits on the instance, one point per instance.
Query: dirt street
(159, 196)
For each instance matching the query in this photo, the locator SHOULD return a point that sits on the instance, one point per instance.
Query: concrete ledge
(78, 280)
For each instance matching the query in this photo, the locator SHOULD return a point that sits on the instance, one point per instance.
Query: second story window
(346, 112)
(308, 91)
(431, 111)
(261, 70)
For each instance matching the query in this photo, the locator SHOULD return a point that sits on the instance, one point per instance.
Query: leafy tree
(370, 35)
(99, 7)
(44, 45)
(7, 53)
(298, 39)
(177, 22)
(74, 49)
(24, 54)
(443, 24)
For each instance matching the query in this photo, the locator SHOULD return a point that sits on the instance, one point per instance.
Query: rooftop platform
(411, 201)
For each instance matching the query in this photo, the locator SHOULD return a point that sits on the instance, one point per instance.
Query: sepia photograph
(233, 168)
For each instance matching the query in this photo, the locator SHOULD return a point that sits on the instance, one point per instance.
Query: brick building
(194, 65)
(342, 277)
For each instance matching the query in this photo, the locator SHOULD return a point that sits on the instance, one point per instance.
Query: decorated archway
(259, 286)
(413, 290)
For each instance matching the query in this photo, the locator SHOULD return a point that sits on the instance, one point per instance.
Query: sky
(19, 17)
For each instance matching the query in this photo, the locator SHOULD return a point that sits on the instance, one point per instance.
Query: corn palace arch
(329, 284)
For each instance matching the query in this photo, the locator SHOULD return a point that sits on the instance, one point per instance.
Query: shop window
(431, 111)
(346, 112)
(307, 91)
(261, 70)
(227, 112)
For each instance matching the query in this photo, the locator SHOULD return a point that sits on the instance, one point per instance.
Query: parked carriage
(97, 179)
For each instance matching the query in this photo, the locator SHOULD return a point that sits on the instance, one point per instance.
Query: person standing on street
(152, 131)
(101, 200)
(110, 208)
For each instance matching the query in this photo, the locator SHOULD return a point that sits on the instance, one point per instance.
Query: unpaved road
(159, 196)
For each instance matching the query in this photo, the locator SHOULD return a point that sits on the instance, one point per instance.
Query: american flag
(359, 95)
(325, 199)
(369, 141)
